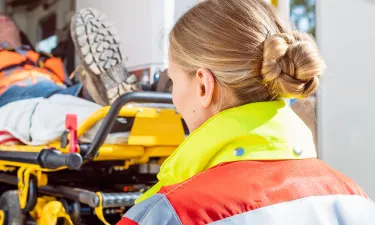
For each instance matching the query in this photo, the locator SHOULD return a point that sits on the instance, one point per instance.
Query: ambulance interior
(339, 115)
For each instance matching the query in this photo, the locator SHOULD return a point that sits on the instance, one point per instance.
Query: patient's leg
(42, 89)
(104, 74)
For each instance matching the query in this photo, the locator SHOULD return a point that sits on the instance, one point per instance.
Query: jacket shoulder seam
(162, 197)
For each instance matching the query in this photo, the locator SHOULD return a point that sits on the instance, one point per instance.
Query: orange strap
(21, 75)
(33, 56)
(51, 67)
(9, 58)
(44, 60)
(57, 67)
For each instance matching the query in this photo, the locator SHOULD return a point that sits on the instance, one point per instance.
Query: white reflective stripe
(154, 211)
(317, 210)
(136, 212)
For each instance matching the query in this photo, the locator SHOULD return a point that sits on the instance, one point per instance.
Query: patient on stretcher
(36, 94)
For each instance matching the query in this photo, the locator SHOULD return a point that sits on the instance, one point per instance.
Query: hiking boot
(103, 72)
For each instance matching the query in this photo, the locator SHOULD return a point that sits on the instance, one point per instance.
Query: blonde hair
(248, 48)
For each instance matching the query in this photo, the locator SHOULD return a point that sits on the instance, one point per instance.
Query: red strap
(3, 132)
(8, 140)
(71, 123)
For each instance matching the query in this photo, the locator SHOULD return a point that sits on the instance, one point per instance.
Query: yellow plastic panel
(157, 127)
(164, 151)
(119, 152)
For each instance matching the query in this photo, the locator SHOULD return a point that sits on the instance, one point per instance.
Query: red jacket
(258, 169)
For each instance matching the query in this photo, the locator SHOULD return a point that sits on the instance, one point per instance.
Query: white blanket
(40, 121)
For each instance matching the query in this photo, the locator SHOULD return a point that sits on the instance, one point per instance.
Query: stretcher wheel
(9, 203)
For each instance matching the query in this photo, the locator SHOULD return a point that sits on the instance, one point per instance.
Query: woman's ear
(206, 86)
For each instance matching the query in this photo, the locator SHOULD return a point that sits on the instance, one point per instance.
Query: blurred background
(340, 116)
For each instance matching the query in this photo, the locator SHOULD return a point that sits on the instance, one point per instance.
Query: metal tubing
(110, 119)
(46, 158)
(110, 200)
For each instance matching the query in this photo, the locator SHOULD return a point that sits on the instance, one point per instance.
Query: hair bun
(291, 65)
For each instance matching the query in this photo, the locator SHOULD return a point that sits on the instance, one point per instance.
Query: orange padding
(52, 68)
(56, 66)
(8, 58)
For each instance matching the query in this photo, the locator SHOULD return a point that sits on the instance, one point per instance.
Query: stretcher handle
(109, 200)
(53, 159)
(47, 158)
(110, 119)
(75, 194)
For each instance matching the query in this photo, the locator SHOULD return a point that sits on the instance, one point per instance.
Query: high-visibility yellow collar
(257, 131)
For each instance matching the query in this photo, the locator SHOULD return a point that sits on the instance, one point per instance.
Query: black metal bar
(110, 200)
(8, 179)
(47, 158)
(21, 157)
(110, 119)
(31, 195)
(75, 194)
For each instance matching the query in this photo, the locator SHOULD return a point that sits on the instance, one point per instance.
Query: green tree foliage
(303, 15)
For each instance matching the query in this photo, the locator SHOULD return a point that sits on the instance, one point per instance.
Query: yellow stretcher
(84, 183)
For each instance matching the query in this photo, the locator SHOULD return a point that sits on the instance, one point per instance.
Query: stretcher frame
(155, 133)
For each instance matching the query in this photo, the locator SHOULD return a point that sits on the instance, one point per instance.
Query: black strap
(43, 57)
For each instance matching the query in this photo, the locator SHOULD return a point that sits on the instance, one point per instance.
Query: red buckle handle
(71, 123)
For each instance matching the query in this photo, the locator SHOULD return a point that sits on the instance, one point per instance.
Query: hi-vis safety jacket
(255, 164)
(24, 66)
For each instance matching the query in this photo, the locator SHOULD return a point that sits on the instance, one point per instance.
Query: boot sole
(96, 41)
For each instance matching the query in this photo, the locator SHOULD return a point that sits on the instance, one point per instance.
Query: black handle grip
(75, 194)
(113, 200)
(110, 119)
(53, 159)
